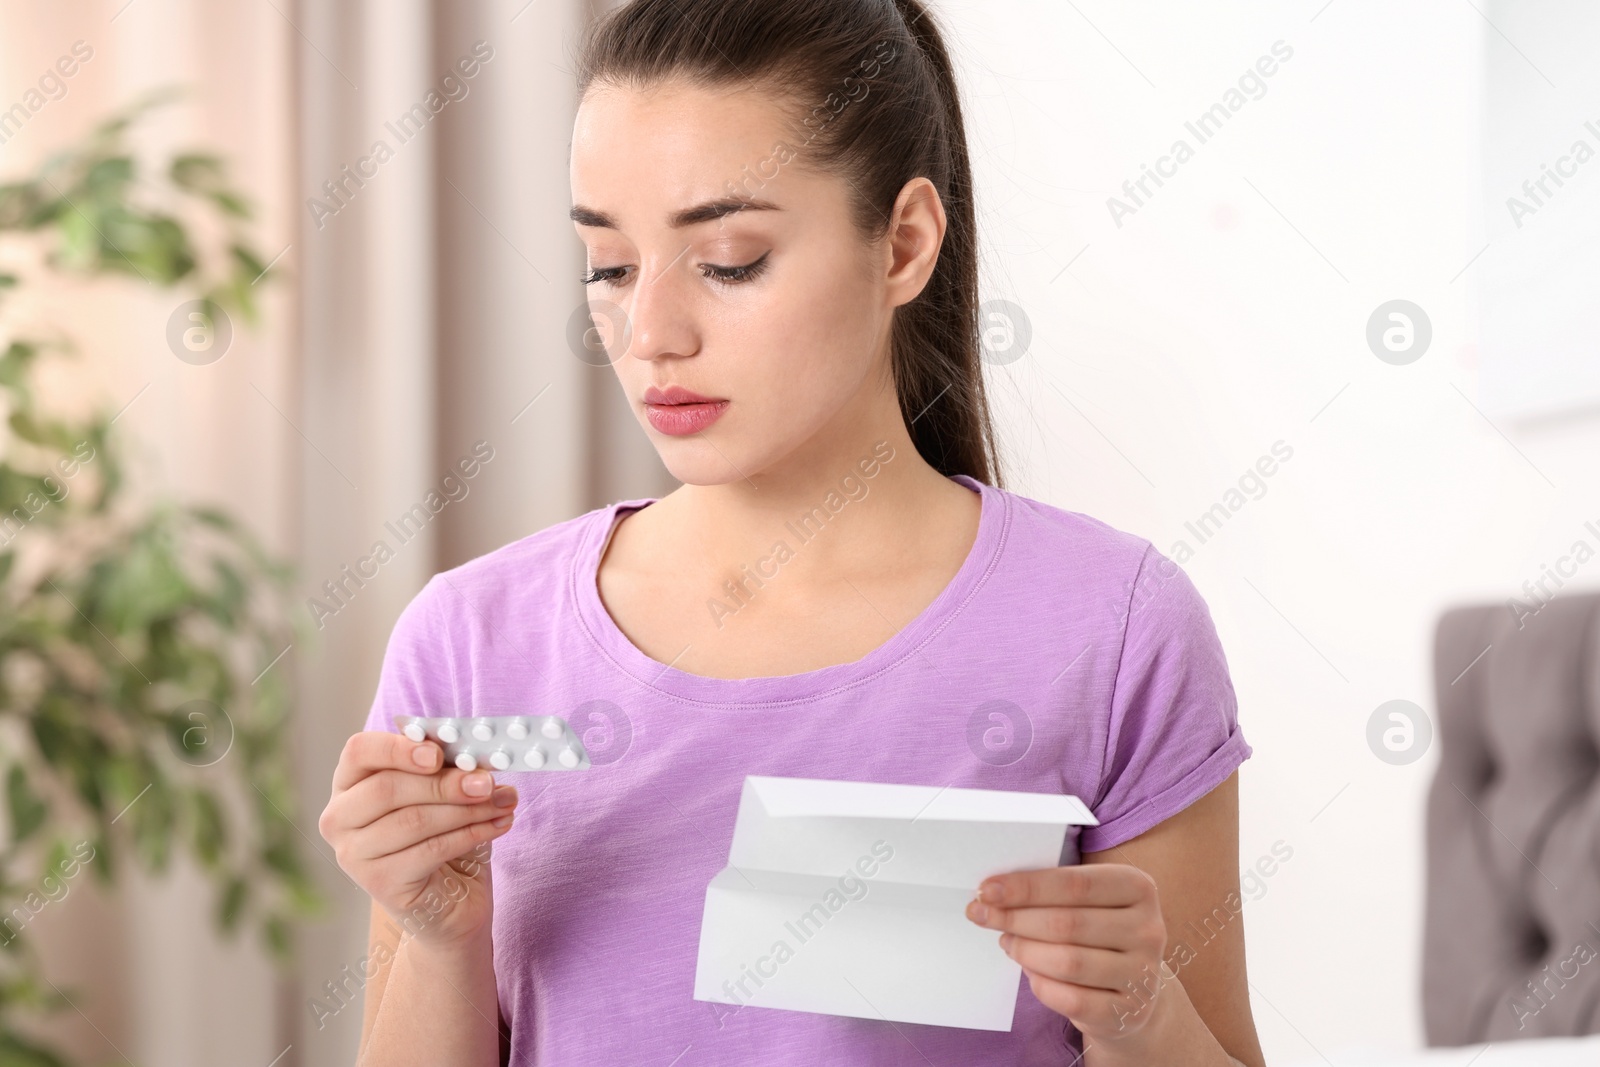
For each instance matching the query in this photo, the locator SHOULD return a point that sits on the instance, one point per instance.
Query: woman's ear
(916, 230)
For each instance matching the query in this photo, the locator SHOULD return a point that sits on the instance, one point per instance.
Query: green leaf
(53, 738)
(107, 176)
(56, 859)
(21, 204)
(105, 870)
(212, 517)
(210, 829)
(231, 905)
(168, 249)
(281, 857)
(80, 238)
(305, 897)
(231, 595)
(196, 172)
(15, 1051)
(276, 931)
(24, 991)
(231, 203)
(15, 362)
(153, 823)
(84, 767)
(248, 261)
(27, 810)
(49, 434)
(146, 583)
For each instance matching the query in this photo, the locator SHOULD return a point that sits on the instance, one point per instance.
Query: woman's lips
(679, 420)
(679, 411)
(676, 394)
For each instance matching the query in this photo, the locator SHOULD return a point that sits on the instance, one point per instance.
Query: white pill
(448, 733)
(568, 757)
(482, 731)
(551, 729)
(415, 731)
(467, 761)
(517, 730)
(534, 758)
(500, 759)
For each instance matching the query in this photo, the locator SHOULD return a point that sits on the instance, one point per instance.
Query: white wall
(1539, 349)
(1229, 313)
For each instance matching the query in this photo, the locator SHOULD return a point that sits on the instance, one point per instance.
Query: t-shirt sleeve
(1174, 733)
(418, 674)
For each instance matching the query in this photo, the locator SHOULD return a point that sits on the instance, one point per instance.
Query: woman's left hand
(1090, 939)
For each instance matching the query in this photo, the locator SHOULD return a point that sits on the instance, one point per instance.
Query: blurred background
(1359, 272)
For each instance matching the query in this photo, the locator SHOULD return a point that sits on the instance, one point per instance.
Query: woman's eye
(605, 274)
(737, 275)
(726, 275)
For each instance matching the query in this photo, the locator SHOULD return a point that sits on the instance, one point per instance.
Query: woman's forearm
(440, 1005)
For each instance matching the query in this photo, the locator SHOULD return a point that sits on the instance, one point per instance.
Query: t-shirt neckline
(771, 690)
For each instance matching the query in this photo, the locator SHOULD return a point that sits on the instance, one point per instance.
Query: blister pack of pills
(500, 742)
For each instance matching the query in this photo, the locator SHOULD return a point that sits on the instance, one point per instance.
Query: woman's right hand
(414, 837)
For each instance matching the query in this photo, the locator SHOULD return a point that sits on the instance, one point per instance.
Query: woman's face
(778, 313)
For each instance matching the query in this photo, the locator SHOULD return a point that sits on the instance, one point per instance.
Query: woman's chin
(698, 461)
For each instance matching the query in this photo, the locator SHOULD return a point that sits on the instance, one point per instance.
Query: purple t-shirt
(1066, 656)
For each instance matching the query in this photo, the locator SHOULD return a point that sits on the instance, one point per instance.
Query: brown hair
(883, 109)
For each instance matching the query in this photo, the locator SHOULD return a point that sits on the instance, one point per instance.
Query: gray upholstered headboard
(1513, 825)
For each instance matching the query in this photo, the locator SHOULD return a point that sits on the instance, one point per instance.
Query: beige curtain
(426, 309)
(436, 311)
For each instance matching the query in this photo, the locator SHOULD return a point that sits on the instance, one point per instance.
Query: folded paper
(849, 898)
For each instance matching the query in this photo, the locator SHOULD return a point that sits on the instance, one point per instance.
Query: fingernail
(980, 914)
(502, 822)
(505, 796)
(992, 893)
(1005, 943)
(478, 785)
(423, 754)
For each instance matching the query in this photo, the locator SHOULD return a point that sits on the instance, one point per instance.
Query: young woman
(777, 207)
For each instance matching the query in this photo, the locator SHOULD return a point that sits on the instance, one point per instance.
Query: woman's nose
(658, 312)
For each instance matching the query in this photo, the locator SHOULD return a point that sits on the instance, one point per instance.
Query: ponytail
(938, 369)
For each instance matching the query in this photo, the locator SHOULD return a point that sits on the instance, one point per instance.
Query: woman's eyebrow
(709, 211)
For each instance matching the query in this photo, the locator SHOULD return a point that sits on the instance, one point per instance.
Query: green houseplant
(140, 712)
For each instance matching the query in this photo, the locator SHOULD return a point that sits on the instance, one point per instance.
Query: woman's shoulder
(1040, 531)
(1092, 570)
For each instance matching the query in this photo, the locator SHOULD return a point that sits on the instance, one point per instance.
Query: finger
(405, 827)
(1123, 929)
(1096, 968)
(371, 751)
(383, 792)
(1097, 1012)
(1098, 885)
(415, 863)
